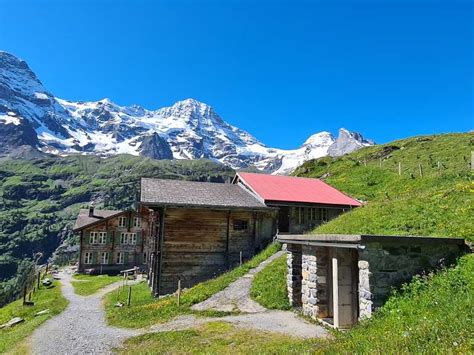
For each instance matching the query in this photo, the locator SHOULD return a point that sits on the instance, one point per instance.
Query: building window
(137, 222)
(324, 214)
(103, 238)
(88, 258)
(93, 237)
(240, 225)
(122, 221)
(128, 238)
(104, 258)
(300, 211)
(120, 258)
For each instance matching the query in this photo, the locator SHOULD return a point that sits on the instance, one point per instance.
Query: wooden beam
(81, 234)
(254, 232)
(161, 249)
(335, 293)
(227, 246)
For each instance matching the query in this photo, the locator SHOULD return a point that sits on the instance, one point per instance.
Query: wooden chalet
(302, 203)
(201, 229)
(111, 240)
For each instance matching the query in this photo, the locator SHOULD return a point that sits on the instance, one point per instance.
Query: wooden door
(345, 289)
(283, 219)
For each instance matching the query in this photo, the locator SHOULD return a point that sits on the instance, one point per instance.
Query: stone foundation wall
(293, 278)
(386, 265)
(309, 282)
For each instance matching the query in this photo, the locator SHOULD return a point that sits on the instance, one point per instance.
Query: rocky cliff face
(189, 129)
(347, 142)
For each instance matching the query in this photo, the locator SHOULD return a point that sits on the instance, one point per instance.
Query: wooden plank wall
(195, 244)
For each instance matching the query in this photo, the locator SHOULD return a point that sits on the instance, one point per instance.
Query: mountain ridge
(189, 129)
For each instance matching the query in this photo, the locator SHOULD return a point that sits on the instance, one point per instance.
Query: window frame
(120, 258)
(88, 258)
(137, 222)
(94, 238)
(106, 254)
(240, 224)
(102, 238)
(122, 221)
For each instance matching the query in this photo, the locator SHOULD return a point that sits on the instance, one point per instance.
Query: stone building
(341, 279)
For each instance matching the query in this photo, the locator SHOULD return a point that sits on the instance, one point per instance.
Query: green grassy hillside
(435, 313)
(440, 202)
(39, 200)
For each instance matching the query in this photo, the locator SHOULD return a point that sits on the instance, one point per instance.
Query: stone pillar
(365, 296)
(293, 279)
(309, 282)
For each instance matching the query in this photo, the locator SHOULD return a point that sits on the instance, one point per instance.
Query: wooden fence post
(24, 295)
(241, 258)
(129, 300)
(179, 292)
(38, 280)
(400, 168)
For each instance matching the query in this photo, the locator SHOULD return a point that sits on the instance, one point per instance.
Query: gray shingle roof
(196, 194)
(83, 219)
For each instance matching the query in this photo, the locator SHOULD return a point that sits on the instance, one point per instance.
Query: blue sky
(281, 70)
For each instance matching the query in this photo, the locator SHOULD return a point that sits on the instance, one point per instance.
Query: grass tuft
(269, 285)
(86, 285)
(218, 338)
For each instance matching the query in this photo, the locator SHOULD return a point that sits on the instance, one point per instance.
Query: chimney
(91, 210)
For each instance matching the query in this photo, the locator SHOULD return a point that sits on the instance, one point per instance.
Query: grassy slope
(46, 298)
(434, 313)
(218, 338)
(146, 310)
(441, 203)
(276, 296)
(89, 284)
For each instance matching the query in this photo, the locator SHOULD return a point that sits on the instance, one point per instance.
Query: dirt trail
(81, 328)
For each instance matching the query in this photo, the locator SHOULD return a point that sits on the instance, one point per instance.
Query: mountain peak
(188, 129)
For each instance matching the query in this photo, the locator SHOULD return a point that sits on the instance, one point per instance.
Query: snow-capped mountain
(189, 129)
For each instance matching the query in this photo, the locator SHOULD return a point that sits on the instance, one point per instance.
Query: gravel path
(236, 296)
(81, 328)
(283, 322)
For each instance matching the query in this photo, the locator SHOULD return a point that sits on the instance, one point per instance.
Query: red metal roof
(295, 189)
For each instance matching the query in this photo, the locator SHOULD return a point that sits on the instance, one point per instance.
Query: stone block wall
(293, 278)
(365, 296)
(309, 281)
(383, 266)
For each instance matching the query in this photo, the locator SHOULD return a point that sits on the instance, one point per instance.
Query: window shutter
(109, 237)
(125, 260)
(109, 258)
(139, 238)
(94, 258)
